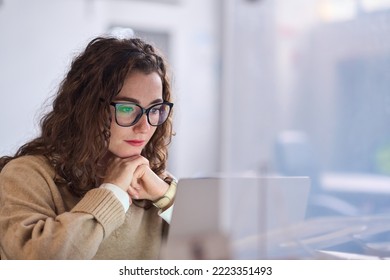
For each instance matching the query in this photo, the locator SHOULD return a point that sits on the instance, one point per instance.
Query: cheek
(152, 132)
(116, 132)
(113, 130)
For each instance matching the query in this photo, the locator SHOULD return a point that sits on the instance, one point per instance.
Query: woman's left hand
(146, 184)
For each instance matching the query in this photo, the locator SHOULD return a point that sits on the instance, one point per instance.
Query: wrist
(162, 189)
(167, 199)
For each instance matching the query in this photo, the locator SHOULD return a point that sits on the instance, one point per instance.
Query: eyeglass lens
(128, 114)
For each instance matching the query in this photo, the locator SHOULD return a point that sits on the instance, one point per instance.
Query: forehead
(142, 87)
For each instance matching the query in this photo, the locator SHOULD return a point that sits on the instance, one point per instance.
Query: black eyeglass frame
(143, 110)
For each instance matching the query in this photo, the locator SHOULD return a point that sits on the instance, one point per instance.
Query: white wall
(38, 39)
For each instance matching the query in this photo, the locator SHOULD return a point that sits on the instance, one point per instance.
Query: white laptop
(230, 218)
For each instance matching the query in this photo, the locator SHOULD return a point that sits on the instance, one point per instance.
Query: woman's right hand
(120, 171)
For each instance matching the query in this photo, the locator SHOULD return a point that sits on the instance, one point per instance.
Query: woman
(93, 185)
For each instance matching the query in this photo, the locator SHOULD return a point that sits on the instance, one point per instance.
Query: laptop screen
(216, 218)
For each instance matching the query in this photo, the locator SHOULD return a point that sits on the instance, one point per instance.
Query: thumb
(140, 171)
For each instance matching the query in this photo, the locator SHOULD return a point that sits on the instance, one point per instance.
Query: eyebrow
(133, 100)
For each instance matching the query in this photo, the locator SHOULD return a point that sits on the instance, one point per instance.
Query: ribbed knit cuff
(120, 194)
(104, 206)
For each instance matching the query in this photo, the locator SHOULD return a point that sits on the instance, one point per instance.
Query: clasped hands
(134, 176)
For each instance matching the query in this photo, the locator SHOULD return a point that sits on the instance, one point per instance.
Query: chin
(125, 151)
(129, 154)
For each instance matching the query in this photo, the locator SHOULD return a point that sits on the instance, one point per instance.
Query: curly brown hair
(76, 133)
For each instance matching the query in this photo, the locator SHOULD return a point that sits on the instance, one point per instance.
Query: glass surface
(128, 114)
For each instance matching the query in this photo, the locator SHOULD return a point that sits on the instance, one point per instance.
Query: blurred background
(280, 87)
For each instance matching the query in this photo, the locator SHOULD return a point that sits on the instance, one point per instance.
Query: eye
(125, 109)
(155, 110)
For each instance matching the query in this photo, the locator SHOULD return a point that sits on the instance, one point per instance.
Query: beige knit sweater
(39, 220)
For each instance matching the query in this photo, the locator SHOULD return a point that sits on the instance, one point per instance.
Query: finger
(135, 184)
(133, 193)
(121, 171)
(131, 164)
(140, 172)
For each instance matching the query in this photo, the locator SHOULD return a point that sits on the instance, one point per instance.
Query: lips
(135, 143)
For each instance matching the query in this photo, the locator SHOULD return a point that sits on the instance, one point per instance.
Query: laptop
(232, 217)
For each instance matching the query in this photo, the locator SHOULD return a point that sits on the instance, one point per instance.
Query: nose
(142, 125)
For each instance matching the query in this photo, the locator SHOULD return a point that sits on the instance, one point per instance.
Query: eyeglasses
(128, 114)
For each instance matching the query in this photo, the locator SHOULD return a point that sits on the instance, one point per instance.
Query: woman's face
(144, 90)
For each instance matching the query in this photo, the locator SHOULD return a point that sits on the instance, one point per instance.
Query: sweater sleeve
(35, 225)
